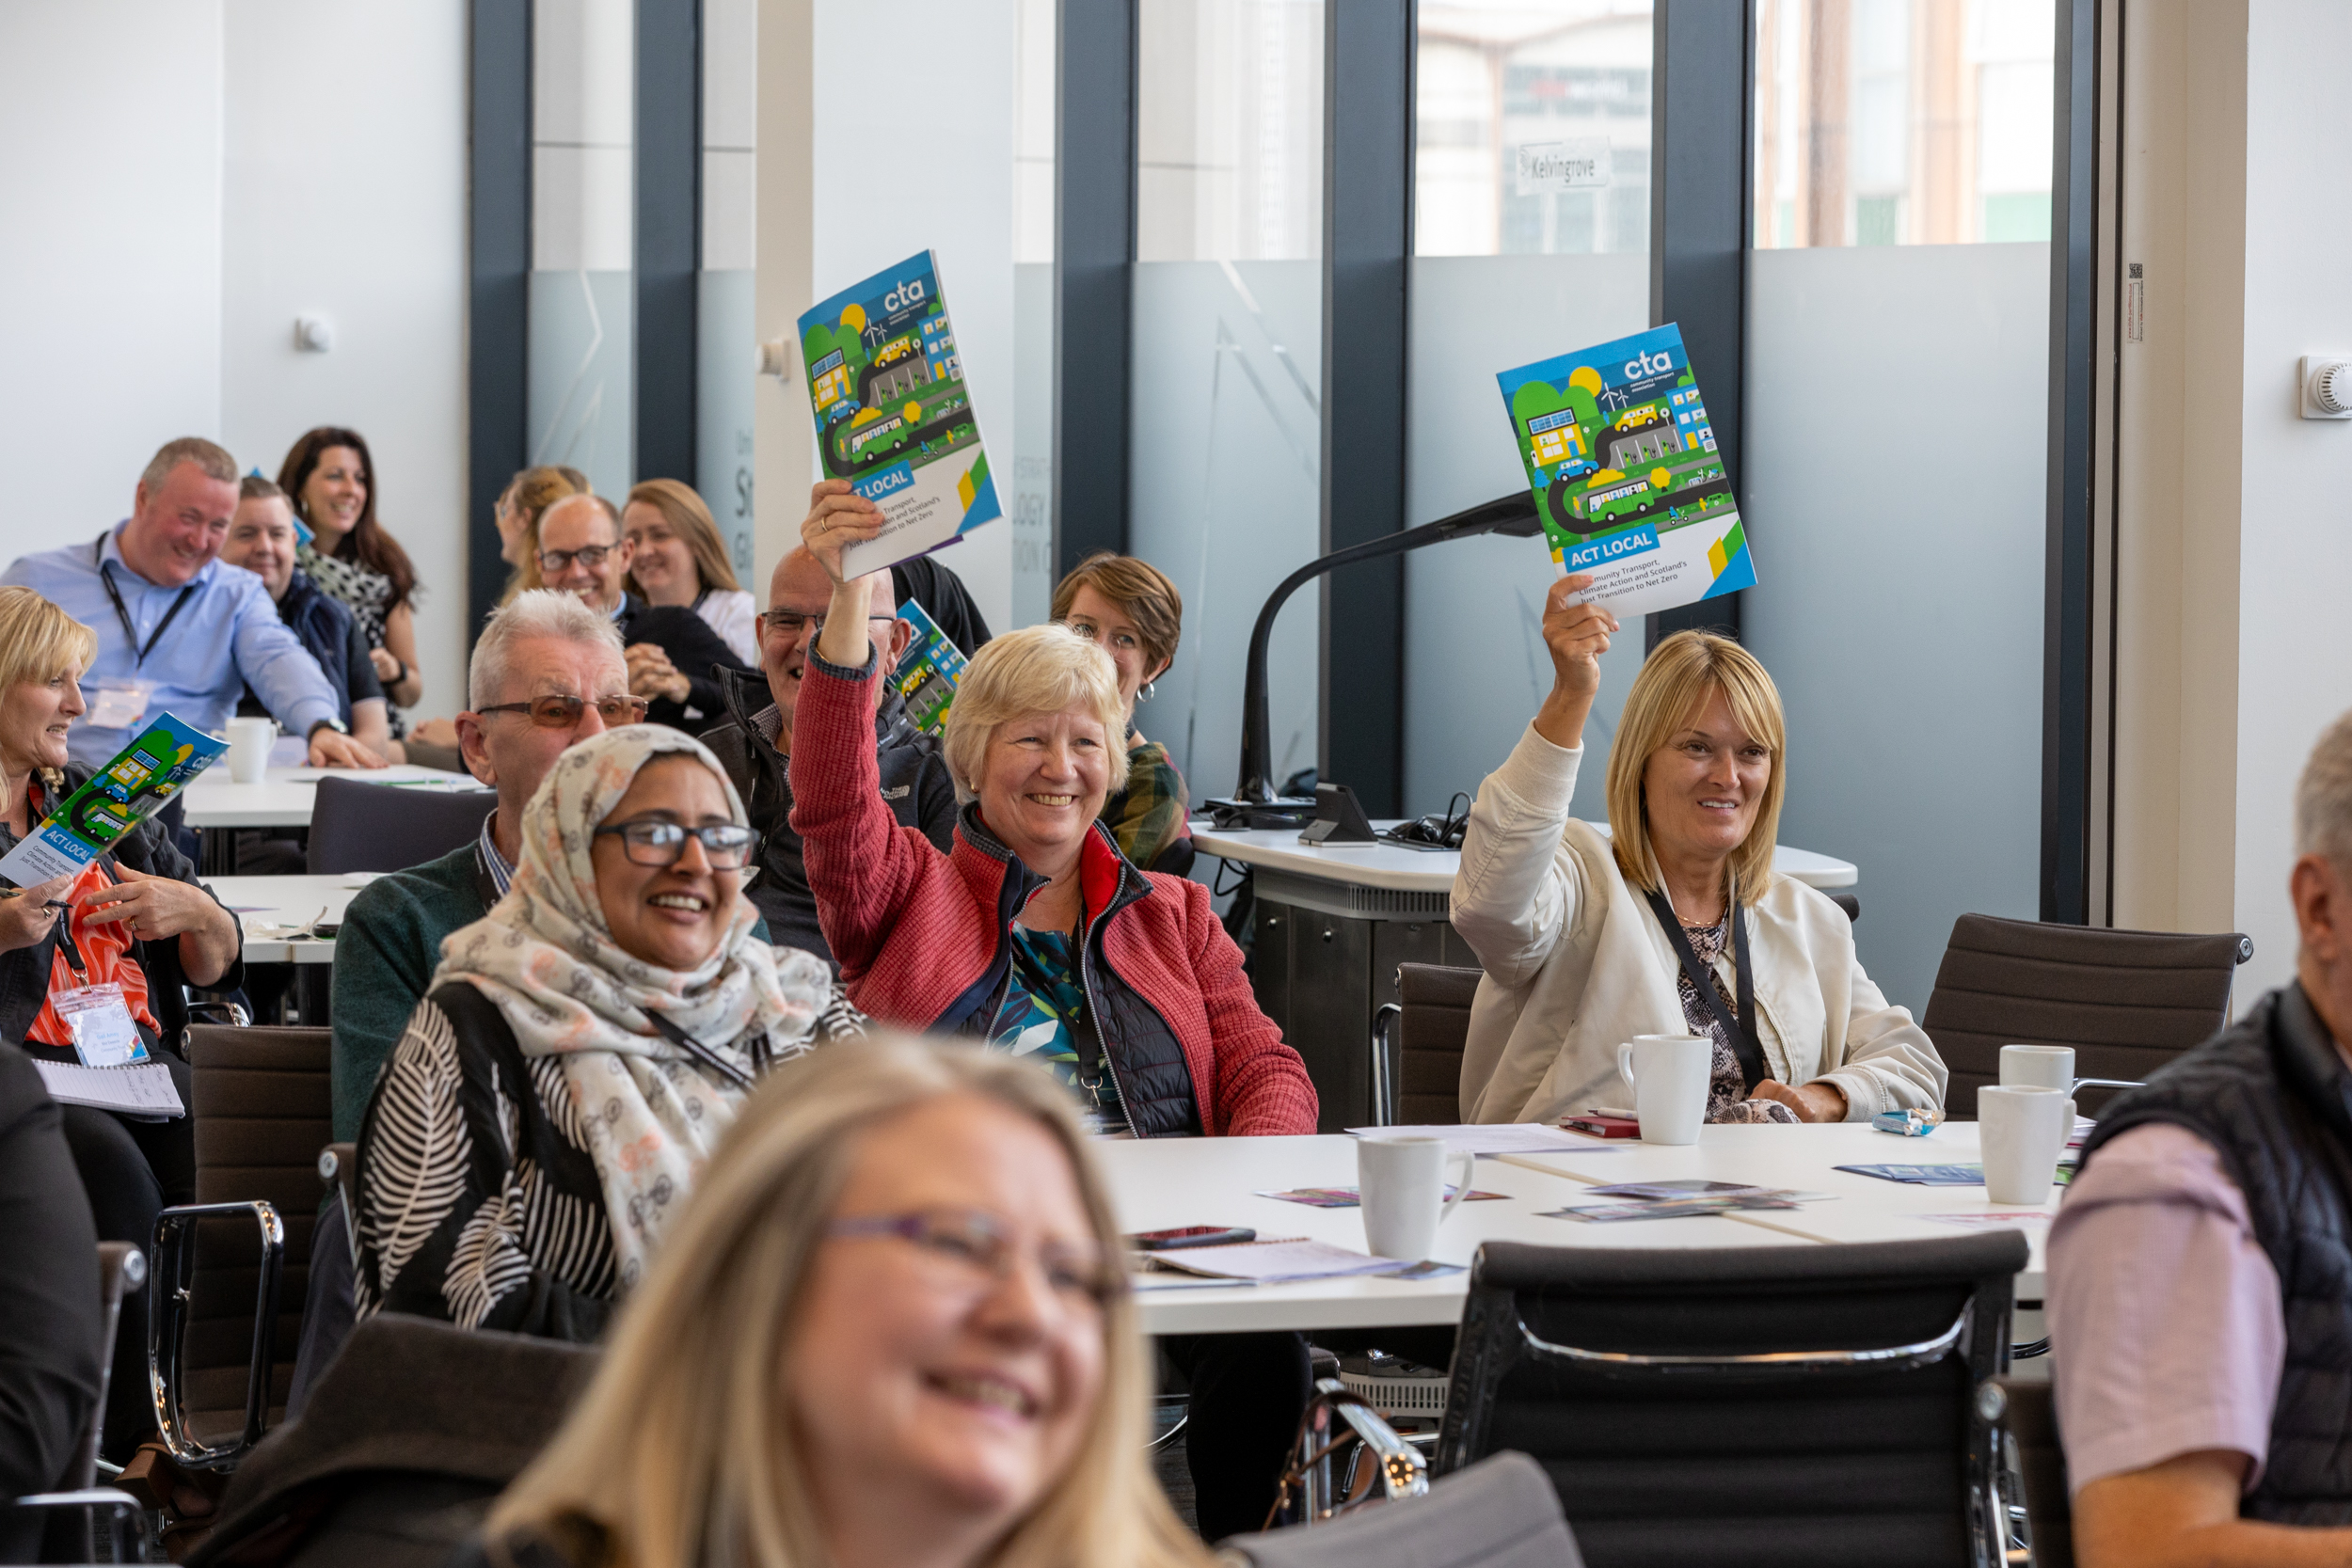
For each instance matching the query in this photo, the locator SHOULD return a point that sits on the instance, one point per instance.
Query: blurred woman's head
(44, 653)
(893, 1310)
(1036, 735)
(1696, 769)
(527, 496)
(1127, 607)
(329, 475)
(678, 552)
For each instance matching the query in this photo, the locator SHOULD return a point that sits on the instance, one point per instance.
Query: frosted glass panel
(1225, 494)
(1474, 660)
(1900, 602)
(578, 387)
(579, 384)
(726, 336)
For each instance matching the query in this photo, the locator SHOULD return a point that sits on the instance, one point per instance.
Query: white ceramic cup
(1668, 1074)
(1402, 1182)
(249, 740)
(2048, 1067)
(2021, 1131)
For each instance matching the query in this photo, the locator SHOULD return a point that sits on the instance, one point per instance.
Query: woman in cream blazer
(1578, 959)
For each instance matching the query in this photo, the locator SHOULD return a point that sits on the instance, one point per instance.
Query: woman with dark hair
(331, 477)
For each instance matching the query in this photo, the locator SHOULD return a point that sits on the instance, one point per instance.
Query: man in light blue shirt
(177, 630)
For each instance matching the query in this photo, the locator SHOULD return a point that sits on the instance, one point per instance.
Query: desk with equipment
(1335, 919)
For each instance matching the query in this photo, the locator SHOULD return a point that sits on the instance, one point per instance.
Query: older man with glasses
(674, 656)
(755, 745)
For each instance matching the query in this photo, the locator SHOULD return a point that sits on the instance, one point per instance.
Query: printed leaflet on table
(1627, 479)
(137, 784)
(929, 676)
(894, 412)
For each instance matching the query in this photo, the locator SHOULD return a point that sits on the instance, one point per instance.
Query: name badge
(104, 1033)
(117, 704)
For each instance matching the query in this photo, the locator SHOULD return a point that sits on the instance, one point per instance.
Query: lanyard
(1742, 1030)
(703, 1054)
(122, 611)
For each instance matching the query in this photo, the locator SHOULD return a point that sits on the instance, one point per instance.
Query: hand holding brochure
(894, 412)
(138, 782)
(1627, 478)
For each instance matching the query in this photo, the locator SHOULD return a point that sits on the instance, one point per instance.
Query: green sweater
(385, 955)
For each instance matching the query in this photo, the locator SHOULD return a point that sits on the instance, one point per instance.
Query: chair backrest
(1745, 1405)
(121, 1270)
(2128, 1002)
(1430, 1030)
(262, 1112)
(2041, 1457)
(1499, 1513)
(366, 827)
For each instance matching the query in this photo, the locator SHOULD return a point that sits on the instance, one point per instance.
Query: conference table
(266, 906)
(286, 796)
(1160, 1183)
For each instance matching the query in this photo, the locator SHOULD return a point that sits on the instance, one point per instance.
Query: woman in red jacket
(1036, 936)
(1034, 933)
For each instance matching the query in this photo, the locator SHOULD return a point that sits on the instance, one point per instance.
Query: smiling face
(576, 523)
(920, 1384)
(663, 565)
(178, 528)
(262, 540)
(1112, 629)
(510, 753)
(802, 588)
(1705, 786)
(34, 715)
(1042, 781)
(335, 494)
(672, 916)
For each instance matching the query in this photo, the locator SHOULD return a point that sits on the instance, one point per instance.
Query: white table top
(1165, 1182)
(1396, 867)
(284, 797)
(288, 901)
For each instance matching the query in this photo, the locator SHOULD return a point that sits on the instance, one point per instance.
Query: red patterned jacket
(924, 939)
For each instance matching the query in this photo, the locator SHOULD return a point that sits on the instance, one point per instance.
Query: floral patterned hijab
(546, 958)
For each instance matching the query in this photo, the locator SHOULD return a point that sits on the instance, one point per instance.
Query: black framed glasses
(975, 1243)
(791, 622)
(727, 847)
(590, 556)
(562, 713)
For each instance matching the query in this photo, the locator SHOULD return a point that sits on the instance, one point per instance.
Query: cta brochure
(1627, 478)
(137, 784)
(930, 673)
(893, 413)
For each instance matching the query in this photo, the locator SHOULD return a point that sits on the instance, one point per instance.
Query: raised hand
(837, 516)
(1576, 635)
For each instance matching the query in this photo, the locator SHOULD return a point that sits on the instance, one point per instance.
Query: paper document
(138, 782)
(1629, 484)
(142, 1089)
(1272, 1263)
(1348, 1197)
(926, 678)
(894, 412)
(1521, 1137)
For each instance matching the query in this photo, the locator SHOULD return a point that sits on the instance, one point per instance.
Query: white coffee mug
(1402, 1184)
(249, 740)
(1668, 1075)
(2022, 1130)
(2048, 1067)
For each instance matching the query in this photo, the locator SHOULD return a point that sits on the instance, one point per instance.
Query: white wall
(346, 197)
(110, 253)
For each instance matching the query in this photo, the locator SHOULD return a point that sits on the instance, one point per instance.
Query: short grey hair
(209, 457)
(536, 612)
(2323, 796)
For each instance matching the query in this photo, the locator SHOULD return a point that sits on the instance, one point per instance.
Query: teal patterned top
(1043, 1000)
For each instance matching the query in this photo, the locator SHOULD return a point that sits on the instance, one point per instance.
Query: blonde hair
(1140, 589)
(678, 1452)
(38, 641)
(532, 492)
(690, 520)
(1680, 674)
(2323, 796)
(1042, 668)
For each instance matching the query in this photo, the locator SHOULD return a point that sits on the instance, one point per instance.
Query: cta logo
(906, 294)
(891, 480)
(1648, 364)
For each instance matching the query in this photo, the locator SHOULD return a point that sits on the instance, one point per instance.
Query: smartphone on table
(1190, 1236)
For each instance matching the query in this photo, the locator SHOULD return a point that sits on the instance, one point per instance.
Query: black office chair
(2032, 1414)
(1417, 1046)
(1750, 1405)
(367, 827)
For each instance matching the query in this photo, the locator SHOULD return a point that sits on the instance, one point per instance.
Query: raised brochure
(893, 413)
(929, 676)
(1627, 478)
(137, 784)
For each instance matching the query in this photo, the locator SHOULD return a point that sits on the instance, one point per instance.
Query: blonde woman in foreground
(1673, 922)
(891, 1330)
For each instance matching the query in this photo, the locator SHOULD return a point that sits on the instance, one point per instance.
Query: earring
(1151, 689)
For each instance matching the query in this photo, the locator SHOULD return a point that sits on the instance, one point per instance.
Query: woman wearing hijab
(582, 1049)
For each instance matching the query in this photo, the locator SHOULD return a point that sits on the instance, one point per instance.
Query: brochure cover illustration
(1626, 475)
(137, 784)
(930, 673)
(894, 414)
